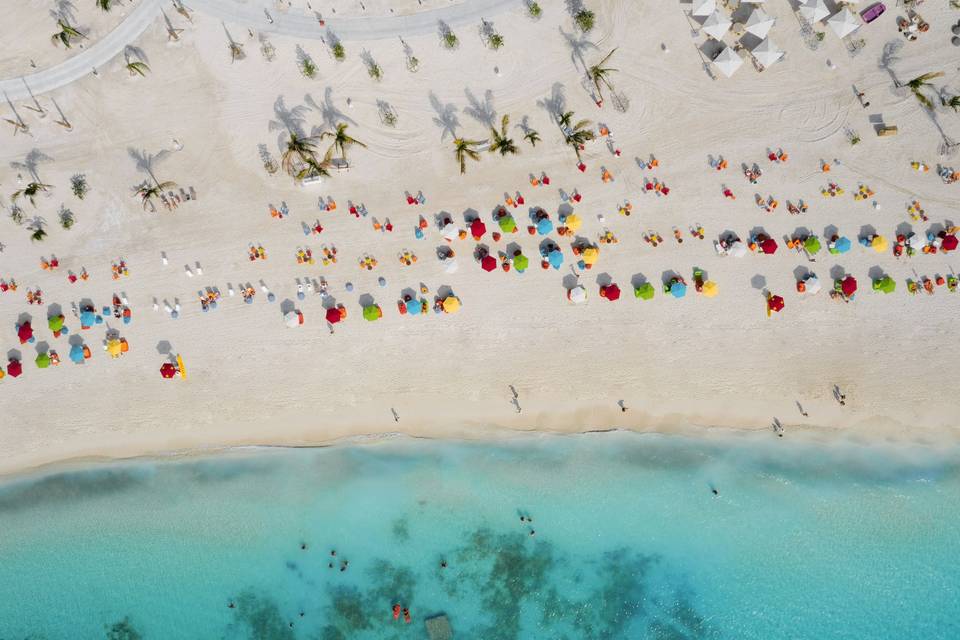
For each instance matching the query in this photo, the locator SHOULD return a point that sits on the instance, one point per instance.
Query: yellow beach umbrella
(114, 348)
(710, 288)
(572, 222)
(183, 369)
(451, 304)
(590, 255)
(879, 244)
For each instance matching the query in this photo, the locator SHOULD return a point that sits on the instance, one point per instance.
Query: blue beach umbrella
(555, 258)
(87, 318)
(842, 245)
(414, 306)
(76, 353)
(545, 226)
(678, 290)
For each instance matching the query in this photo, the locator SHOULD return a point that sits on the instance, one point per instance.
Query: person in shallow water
(396, 612)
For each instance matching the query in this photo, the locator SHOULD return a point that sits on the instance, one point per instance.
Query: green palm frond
(138, 68)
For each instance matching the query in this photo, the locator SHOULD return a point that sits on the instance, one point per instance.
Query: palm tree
(30, 191)
(104, 4)
(65, 34)
(499, 140)
(148, 192)
(341, 141)
(38, 234)
(575, 134)
(917, 84)
(600, 74)
(138, 68)
(532, 137)
(464, 149)
(299, 150)
(953, 102)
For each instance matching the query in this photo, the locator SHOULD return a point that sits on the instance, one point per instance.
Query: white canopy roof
(728, 61)
(704, 7)
(844, 22)
(767, 52)
(759, 23)
(716, 25)
(814, 10)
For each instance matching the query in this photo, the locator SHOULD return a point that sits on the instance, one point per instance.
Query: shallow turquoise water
(803, 541)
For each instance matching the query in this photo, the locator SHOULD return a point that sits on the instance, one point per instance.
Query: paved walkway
(249, 13)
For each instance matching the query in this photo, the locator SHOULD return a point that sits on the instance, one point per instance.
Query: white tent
(728, 61)
(716, 25)
(814, 10)
(844, 22)
(577, 295)
(703, 7)
(759, 23)
(737, 249)
(450, 231)
(813, 285)
(291, 319)
(767, 52)
(449, 265)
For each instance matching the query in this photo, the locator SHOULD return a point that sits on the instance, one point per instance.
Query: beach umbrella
(477, 228)
(414, 306)
(333, 315)
(25, 332)
(886, 284)
(812, 284)
(590, 255)
(43, 360)
(544, 226)
(738, 249)
(767, 52)
(450, 231)
(678, 289)
(880, 244)
(849, 286)
(917, 242)
(841, 245)
(521, 262)
(449, 265)
(759, 23)
(87, 319)
(451, 304)
(844, 22)
(371, 313)
(710, 289)
(507, 224)
(703, 7)
(611, 292)
(291, 319)
(812, 245)
(728, 61)
(114, 348)
(555, 258)
(488, 263)
(814, 10)
(775, 303)
(76, 353)
(572, 222)
(716, 25)
(769, 246)
(181, 367)
(644, 291)
(577, 295)
(55, 323)
(949, 243)
(167, 370)
(14, 368)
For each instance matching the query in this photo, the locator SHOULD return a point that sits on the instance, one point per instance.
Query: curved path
(249, 13)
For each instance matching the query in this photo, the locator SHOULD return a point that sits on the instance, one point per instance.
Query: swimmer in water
(715, 492)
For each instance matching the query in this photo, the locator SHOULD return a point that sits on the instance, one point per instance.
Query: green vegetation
(307, 67)
(339, 53)
(464, 149)
(500, 143)
(534, 10)
(67, 219)
(341, 141)
(495, 41)
(584, 19)
(601, 75)
(532, 137)
(78, 184)
(66, 35)
(30, 192)
(137, 68)
(450, 40)
(918, 84)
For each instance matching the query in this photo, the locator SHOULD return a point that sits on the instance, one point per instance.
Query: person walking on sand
(623, 407)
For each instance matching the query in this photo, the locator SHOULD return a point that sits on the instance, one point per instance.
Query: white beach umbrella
(737, 249)
(844, 22)
(812, 284)
(728, 61)
(291, 319)
(450, 265)
(767, 52)
(759, 23)
(814, 10)
(450, 231)
(577, 295)
(716, 25)
(704, 7)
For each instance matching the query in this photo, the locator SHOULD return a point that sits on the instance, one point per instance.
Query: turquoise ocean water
(803, 541)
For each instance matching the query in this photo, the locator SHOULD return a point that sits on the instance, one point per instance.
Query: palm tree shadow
(131, 51)
(64, 10)
(288, 120)
(481, 111)
(446, 117)
(578, 45)
(330, 114)
(145, 161)
(31, 163)
(555, 103)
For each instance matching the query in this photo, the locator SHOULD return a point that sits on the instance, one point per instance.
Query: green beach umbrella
(55, 323)
(812, 245)
(644, 291)
(521, 262)
(43, 360)
(371, 312)
(886, 284)
(507, 224)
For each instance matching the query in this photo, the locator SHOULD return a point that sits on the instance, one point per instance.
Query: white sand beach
(696, 361)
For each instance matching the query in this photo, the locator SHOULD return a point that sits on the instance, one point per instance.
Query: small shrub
(67, 218)
(450, 40)
(413, 64)
(37, 234)
(534, 10)
(820, 35)
(390, 119)
(495, 41)
(584, 19)
(339, 53)
(854, 138)
(78, 184)
(308, 68)
(375, 71)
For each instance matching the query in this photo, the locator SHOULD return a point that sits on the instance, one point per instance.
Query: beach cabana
(644, 292)
(55, 324)
(886, 284)
(43, 360)
(25, 332)
(555, 258)
(572, 222)
(814, 10)
(293, 318)
(577, 295)
(766, 53)
(590, 256)
(520, 263)
(544, 226)
(114, 348)
(477, 229)
(449, 265)
(488, 263)
(76, 354)
(372, 313)
(775, 304)
(168, 370)
(848, 286)
(333, 315)
(451, 304)
(879, 244)
(450, 231)
(703, 7)
(844, 22)
(610, 291)
(949, 243)
(507, 224)
(840, 245)
(728, 61)
(710, 289)
(14, 368)
(677, 289)
(413, 306)
(716, 25)
(769, 246)
(811, 284)
(812, 245)
(759, 23)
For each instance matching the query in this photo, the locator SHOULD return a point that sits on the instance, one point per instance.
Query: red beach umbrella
(849, 286)
(168, 370)
(333, 315)
(611, 292)
(489, 263)
(775, 303)
(769, 246)
(25, 332)
(949, 243)
(14, 368)
(477, 229)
